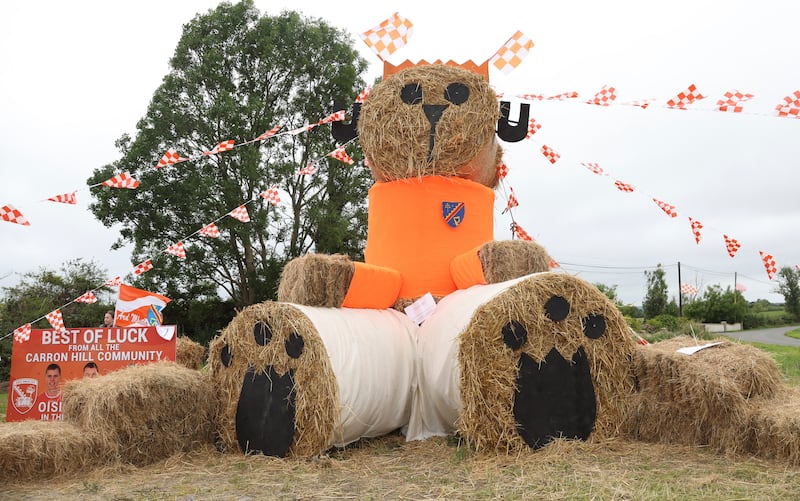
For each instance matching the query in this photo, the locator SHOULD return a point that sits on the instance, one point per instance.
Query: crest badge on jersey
(23, 394)
(453, 213)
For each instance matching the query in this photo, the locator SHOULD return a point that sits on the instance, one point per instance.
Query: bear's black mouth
(265, 413)
(554, 399)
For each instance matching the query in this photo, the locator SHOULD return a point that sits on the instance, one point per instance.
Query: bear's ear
(345, 132)
(511, 132)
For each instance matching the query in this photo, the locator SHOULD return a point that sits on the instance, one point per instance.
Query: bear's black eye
(411, 93)
(456, 93)
(594, 325)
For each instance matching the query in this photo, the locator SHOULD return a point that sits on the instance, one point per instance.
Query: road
(768, 336)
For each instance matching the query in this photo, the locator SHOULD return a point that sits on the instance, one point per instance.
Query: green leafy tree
(718, 305)
(655, 300)
(610, 292)
(38, 293)
(234, 75)
(789, 288)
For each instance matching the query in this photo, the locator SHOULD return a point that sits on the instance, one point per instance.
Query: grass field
(442, 468)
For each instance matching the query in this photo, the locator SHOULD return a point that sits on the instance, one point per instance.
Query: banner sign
(41, 365)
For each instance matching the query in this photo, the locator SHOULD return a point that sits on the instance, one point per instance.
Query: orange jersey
(418, 228)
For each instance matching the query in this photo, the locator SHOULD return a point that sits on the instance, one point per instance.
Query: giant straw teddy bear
(511, 356)
(510, 364)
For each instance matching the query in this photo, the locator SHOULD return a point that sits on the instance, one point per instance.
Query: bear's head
(431, 120)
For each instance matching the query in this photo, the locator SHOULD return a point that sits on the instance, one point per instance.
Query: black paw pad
(265, 414)
(556, 308)
(514, 335)
(554, 398)
(594, 325)
(262, 333)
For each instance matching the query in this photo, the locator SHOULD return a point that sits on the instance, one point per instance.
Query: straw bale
(396, 136)
(148, 412)
(508, 259)
(752, 371)
(488, 368)
(706, 398)
(315, 391)
(42, 449)
(189, 353)
(316, 280)
(772, 427)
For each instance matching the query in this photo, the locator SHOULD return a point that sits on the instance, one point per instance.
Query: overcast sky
(77, 75)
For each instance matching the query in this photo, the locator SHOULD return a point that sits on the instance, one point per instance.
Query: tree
(610, 292)
(655, 301)
(235, 75)
(789, 288)
(717, 306)
(38, 293)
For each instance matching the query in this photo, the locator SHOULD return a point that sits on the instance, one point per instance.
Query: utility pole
(735, 290)
(680, 292)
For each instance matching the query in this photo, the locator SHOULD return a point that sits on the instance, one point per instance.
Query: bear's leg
(532, 359)
(295, 380)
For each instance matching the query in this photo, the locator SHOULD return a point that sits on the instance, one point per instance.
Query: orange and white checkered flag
(269, 133)
(388, 36)
(731, 101)
(790, 106)
(685, 98)
(177, 250)
(12, 215)
(66, 198)
(171, 157)
(595, 167)
(512, 200)
(688, 289)
(113, 282)
(363, 95)
(696, 227)
(87, 297)
(341, 155)
(732, 245)
(668, 209)
(550, 154)
(769, 264)
(627, 188)
(210, 230)
(240, 213)
(223, 146)
(511, 54)
(143, 267)
(271, 195)
(519, 232)
(23, 333)
(123, 180)
(533, 128)
(502, 171)
(56, 320)
(605, 97)
(307, 170)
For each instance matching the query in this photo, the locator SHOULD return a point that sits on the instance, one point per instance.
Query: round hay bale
(297, 380)
(534, 308)
(238, 349)
(43, 449)
(396, 134)
(150, 411)
(189, 353)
